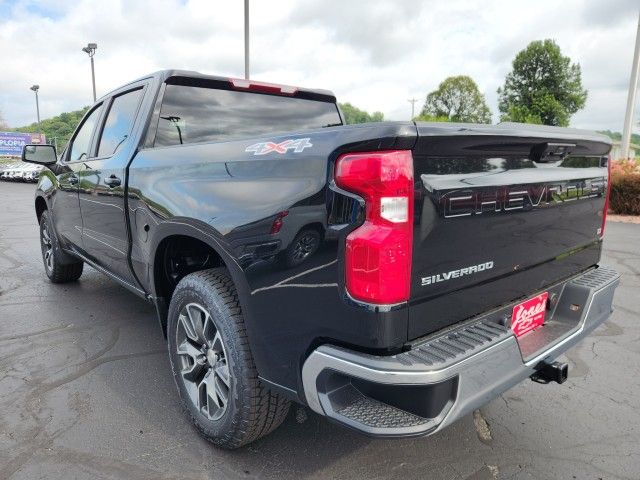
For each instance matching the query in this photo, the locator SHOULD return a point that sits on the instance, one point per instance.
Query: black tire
(57, 270)
(252, 410)
(304, 245)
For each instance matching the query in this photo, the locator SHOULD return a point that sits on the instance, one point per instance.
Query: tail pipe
(551, 372)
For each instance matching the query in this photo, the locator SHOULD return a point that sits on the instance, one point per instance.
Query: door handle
(73, 180)
(112, 181)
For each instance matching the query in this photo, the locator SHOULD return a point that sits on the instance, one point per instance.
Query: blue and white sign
(11, 143)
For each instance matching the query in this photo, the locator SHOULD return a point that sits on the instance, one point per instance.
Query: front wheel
(212, 363)
(57, 271)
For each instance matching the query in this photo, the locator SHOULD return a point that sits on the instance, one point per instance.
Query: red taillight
(253, 86)
(606, 200)
(378, 253)
(277, 223)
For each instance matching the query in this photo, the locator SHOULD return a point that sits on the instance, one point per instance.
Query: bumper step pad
(450, 347)
(370, 412)
(451, 373)
(596, 279)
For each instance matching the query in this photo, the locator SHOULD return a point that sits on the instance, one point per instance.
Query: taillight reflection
(276, 226)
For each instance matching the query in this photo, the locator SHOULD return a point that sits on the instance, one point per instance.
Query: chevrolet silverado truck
(391, 276)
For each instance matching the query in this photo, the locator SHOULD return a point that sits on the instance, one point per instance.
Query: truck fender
(207, 234)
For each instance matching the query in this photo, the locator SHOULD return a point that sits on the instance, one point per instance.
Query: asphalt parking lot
(86, 392)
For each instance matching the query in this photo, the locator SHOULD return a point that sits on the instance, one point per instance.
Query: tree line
(543, 87)
(617, 136)
(58, 128)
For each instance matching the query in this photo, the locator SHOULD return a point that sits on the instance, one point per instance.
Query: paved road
(85, 392)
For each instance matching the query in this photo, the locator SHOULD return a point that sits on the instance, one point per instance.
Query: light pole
(246, 39)
(90, 49)
(35, 89)
(631, 97)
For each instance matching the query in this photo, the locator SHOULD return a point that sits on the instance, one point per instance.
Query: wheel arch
(313, 226)
(188, 234)
(41, 206)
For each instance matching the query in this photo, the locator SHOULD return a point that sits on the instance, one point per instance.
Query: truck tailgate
(501, 212)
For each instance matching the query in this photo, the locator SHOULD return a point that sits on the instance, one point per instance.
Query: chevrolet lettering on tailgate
(463, 203)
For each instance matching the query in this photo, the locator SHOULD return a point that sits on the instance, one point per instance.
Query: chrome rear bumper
(450, 374)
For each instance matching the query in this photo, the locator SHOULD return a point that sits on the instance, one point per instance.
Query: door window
(119, 123)
(82, 140)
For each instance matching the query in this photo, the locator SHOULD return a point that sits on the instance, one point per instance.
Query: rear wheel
(213, 366)
(56, 270)
(304, 245)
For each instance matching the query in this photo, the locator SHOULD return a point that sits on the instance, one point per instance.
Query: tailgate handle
(551, 151)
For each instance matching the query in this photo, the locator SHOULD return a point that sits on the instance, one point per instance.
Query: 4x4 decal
(263, 148)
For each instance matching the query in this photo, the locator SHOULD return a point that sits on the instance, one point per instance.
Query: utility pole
(35, 88)
(90, 49)
(246, 39)
(631, 97)
(412, 101)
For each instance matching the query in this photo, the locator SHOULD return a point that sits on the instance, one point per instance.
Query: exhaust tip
(551, 372)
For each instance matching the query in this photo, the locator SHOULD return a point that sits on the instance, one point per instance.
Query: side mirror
(40, 154)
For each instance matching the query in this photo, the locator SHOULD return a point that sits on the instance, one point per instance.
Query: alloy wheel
(47, 247)
(305, 246)
(203, 361)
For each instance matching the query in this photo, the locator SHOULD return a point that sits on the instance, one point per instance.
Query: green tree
(60, 127)
(457, 99)
(431, 118)
(617, 136)
(355, 115)
(543, 87)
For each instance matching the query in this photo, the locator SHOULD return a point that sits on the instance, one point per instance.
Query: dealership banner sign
(11, 143)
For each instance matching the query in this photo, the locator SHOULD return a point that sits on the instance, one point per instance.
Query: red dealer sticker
(529, 314)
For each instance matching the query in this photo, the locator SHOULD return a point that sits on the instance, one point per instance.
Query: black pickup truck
(392, 276)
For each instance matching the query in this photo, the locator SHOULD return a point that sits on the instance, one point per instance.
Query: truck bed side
(229, 198)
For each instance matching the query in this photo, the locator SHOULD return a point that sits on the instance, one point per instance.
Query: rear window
(192, 114)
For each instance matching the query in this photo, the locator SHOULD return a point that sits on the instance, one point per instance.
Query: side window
(82, 140)
(119, 122)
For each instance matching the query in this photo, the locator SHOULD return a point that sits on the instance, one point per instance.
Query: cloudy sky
(375, 54)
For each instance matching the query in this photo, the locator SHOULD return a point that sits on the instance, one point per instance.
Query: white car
(23, 172)
(7, 174)
(7, 170)
(15, 173)
(32, 174)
